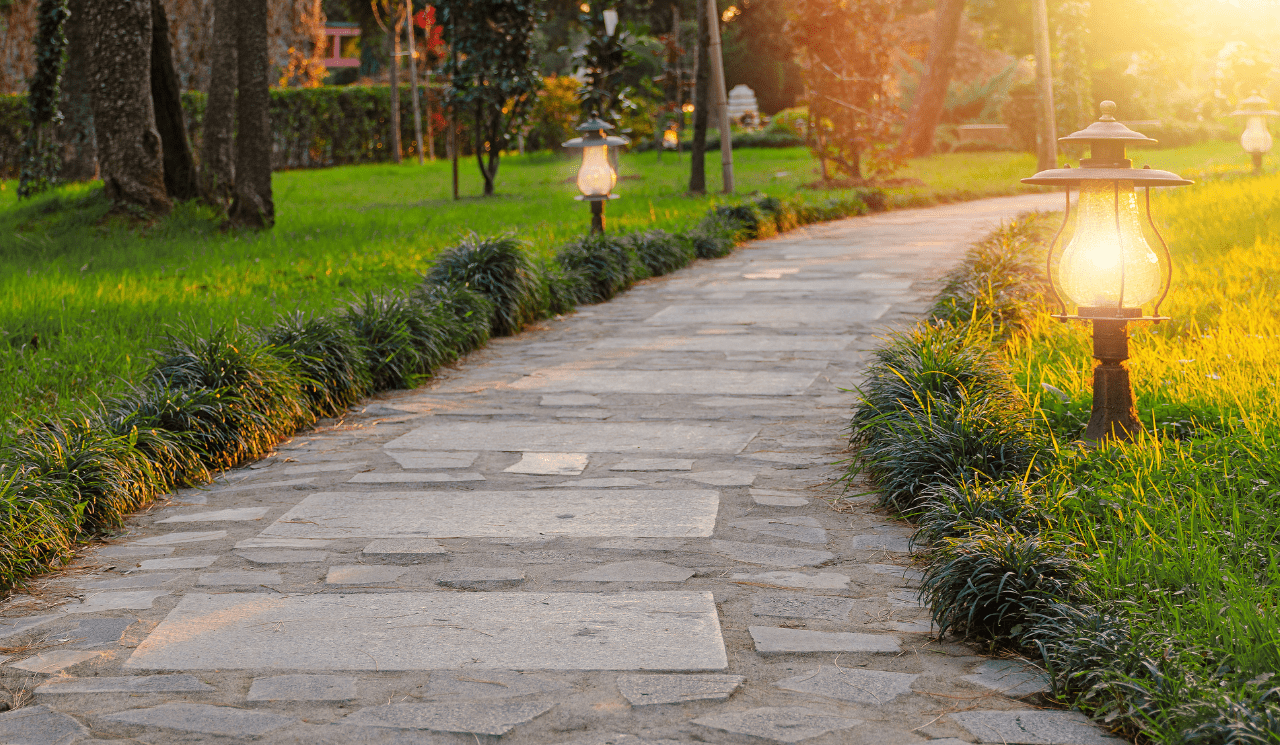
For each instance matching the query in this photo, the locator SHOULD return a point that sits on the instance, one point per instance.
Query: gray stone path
(614, 528)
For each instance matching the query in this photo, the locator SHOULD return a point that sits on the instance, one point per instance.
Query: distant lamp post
(1108, 270)
(1256, 140)
(598, 173)
(671, 137)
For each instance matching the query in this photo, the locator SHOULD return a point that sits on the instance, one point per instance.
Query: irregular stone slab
(283, 556)
(908, 598)
(894, 570)
(406, 550)
(261, 542)
(791, 459)
(774, 556)
(671, 382)
(632, 571)
(40, 725)
(802, 606)
(123, 552)
(437, 631)
(236, 515)
(362, 574)
(773, 640)
(130, 684)
(1033, 728)
(124, 600)
(782, 724)
(412, 478)
(803, 529)
(221, 579)
(584, 437)
(891, 543)
(205, 719)
(303, 688)
(514, 514)
(320, 468)
(432, 459)
(190, 537)
(96, 632)
(584, 413)
(1013, 678)
(130, 582)
(189, 499)
(619, 482)
(846, 286)
(727, 343)
(481, 578)
(858, 685)
(490, 684)
(264, 485)
(810, 313)
(15, 626)
(480, 718)
(643, 544)
(184, 562)
(767, 499)
(550, 464)
(570, 399)
(647, 690)
(54, 660)
(914, 627)
(653, 464)
(798, 580)
(722, 478)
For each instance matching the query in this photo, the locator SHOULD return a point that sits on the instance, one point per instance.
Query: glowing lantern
(598, 173)
(1256, 140)
(671, 137)
(1108, 270)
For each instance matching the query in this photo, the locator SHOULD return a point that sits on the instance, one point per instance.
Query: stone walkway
(613, 528)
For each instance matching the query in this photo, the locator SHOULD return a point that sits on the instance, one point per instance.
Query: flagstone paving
(613, 528)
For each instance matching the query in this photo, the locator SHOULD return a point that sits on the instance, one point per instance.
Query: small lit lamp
(598, 173)
(1256, 140)
(670, 137)
(1108, 270)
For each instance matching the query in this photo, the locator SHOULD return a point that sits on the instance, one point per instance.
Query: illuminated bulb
(1256, 139)
(670, 139)
(1090, 270)
(596, 177)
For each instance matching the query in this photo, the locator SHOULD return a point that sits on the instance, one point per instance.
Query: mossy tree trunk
(253, 205)
(179, 168)
(217, 156)
(80, 150)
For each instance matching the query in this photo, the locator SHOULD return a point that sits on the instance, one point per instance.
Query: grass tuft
(334, 371)
(501, 269)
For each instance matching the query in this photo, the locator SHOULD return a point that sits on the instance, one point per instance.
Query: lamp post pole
(597, 216)
(1113, 412)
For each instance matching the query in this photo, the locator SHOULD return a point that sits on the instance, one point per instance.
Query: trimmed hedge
(219, 398)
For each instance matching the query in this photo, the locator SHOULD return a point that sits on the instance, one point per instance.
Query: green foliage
(334, 371)
(1001, 278)
(606, 265)
(749, 218)
(40, 161)
(468, 314)
(501, 269)
(955, 510)
(402, 339)
(660, 252)
(715, 236)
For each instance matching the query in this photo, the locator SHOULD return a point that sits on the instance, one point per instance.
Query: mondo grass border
(219, 397)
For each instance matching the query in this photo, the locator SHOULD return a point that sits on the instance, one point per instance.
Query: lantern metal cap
(594, 135)
(1107, 139)
(1255, 105)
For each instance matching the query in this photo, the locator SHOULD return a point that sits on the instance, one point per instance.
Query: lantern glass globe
(1090, 272)
(596, 177)
(1256, 140)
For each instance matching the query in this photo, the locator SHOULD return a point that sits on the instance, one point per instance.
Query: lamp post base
(1257, 163)
(597, 217)
(1113, 413)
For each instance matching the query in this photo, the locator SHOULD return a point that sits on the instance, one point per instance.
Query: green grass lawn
(84, 303)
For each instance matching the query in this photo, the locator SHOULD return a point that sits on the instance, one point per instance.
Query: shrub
(994, 581)
(749, 218)
(782, 213)
(181, 431)
(34, 534)
(402, 340)
(952, 511)
(499, 268)
(714, 237)
(1001, 279)
(660, 252)
(466, 315)
(606, 265)
(334, 371)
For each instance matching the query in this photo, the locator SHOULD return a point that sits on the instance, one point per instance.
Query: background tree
(757, 55)
(494, 78)
(80, 149)
(253, 205)
(602, 61)
(846, 50)
(40, 160)
(180, 180)
(217, 156)
(931, 96)
(701, 104)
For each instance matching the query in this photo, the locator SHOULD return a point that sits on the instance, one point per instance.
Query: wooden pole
(413, 77)
(395, 94)
(1047, 131)
(722, 98)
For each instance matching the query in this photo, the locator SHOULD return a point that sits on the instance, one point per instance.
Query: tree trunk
(413, 78)
(485, 130)
(129, 147)
(393, 77)
(253, 206)
(217, 160)
(80, 148)
(931, 97)
(701, 102)
(179, 168)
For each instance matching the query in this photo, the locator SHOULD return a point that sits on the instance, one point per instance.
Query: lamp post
(1108, 270)
(598, 172)
(1256, 140)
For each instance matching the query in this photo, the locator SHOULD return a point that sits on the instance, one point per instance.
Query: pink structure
(337, 33)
